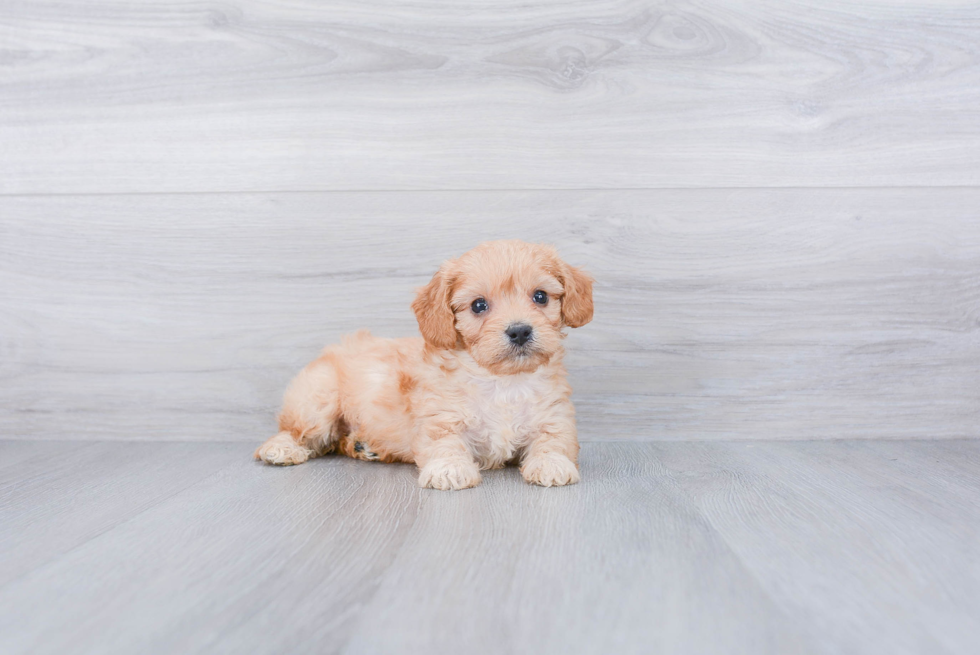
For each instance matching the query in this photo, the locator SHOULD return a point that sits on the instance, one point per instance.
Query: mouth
(518, 359)
(522, 352)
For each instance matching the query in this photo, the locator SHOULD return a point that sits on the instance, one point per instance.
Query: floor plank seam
(577, 189)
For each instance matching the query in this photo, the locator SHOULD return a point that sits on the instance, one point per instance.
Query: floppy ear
(437, 323)
(576, 304)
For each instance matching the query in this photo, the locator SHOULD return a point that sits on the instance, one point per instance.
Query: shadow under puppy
(484, 387)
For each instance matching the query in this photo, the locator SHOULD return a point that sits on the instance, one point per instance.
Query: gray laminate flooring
(680, 547)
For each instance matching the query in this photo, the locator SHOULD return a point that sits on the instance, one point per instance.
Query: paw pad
(361, 448)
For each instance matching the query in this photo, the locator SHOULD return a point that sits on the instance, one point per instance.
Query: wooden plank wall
(779, 201)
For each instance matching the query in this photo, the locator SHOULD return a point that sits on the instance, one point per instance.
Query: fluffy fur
(463, 398)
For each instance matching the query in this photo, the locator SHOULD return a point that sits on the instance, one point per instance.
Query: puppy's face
(505, 302)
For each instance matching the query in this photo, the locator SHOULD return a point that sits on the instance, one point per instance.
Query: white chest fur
(503, 413)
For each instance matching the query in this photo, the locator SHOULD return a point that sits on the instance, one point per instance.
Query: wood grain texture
(70, 492)
(720, 313)
(821, 547)
(110, 96)
(856, 516)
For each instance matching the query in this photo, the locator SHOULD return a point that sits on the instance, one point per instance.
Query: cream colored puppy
(485, 385)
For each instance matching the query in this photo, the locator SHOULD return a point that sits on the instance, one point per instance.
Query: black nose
(519, 333)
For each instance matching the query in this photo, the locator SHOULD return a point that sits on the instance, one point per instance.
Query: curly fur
(464, 397)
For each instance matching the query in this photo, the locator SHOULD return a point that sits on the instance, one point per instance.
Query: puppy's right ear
(437, 323)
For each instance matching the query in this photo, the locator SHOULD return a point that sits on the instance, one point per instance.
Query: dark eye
(540, 297)
(479, 306)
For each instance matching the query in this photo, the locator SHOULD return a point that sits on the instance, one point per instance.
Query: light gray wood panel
(70, 492)
(720, 313)
(618, 564)
(14, 454)
(100, 96)
(237, 557)
(831, 530)
(821, 547)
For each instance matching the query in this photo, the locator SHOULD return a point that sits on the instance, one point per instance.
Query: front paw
(550, 470)
(445, 474)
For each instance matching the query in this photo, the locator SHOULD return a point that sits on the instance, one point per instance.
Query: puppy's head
(506, 303)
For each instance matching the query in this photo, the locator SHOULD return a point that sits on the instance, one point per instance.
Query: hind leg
(309, 423)
(283, 450)
(353, 447)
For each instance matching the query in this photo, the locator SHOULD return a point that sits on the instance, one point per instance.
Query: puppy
(484, 387)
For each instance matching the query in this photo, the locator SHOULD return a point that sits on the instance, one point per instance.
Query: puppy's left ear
(576, 304)
(437, 323)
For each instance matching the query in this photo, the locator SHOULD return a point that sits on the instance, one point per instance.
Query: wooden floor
(698, 547)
